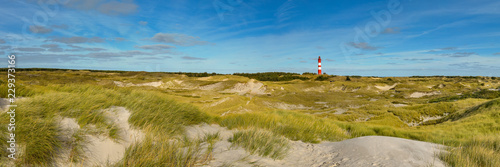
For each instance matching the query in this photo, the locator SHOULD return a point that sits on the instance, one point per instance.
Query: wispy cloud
(442, 49)
(448, 25)
(40, 29)
(459, 54)
(2, 41)
(363, 46)
(391, 30)
(177, 39)
(285, 11)
(52, 47)
(416, 59)
(30, 49)
(120, 39)
(449, 48)
(60, 26)
(79, 48)
(74, 40)
(192, 58)
(103, 6)
(143, 23)
(155, 47)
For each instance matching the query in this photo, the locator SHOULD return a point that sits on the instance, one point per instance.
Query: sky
(353, 37)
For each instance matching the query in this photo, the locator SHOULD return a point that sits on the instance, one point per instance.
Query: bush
(322, 77)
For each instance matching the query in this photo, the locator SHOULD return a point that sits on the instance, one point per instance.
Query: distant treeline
(273, 76)
(193, 74)
(441, 76)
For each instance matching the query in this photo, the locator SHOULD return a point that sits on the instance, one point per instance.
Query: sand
(99, 150)
(422, 94)
(399, 105)
(4, 102)
(286, 106)
(215, 86)
(387, 87)
(340, 111)
(251, 87)
(123, 84)
(218, 102)
(361, 151)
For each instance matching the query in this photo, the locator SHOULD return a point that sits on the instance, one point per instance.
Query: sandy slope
(361, 151)
(99, 150)
(387, 87)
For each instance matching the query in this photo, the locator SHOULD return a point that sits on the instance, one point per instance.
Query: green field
(460, 112)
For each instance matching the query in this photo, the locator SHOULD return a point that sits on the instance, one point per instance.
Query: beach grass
(261, 142)
(468, 124)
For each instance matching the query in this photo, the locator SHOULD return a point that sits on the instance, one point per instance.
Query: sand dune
(361, 151)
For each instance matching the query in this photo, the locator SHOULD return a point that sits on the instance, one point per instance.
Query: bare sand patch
(251, 87)
(339, 111)
(422, 94)
(285, 106)
(199, 131)
(399, 105)
(205, 78)
(128, 84)
(4, 102)
(321, 88)
(219, 102)
(215, 86)
(153, 84)
(387, 87)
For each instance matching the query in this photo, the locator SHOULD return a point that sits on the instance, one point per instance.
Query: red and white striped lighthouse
(319, 65)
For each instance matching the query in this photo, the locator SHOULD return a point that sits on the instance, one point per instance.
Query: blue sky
(370, 38)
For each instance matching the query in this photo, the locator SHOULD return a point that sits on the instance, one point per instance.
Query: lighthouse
(319, 65)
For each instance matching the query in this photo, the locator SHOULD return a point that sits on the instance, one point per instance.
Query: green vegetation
(38, 130)
(263, 143)
(323, 77)
(481, 94)
(294, 107)
(273, 76)
(160, 150)
(478, 152)
(295, 126)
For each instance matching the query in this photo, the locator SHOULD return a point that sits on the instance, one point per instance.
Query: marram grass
(261, 142)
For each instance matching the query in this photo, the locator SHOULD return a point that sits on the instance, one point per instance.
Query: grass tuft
(261, 142)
